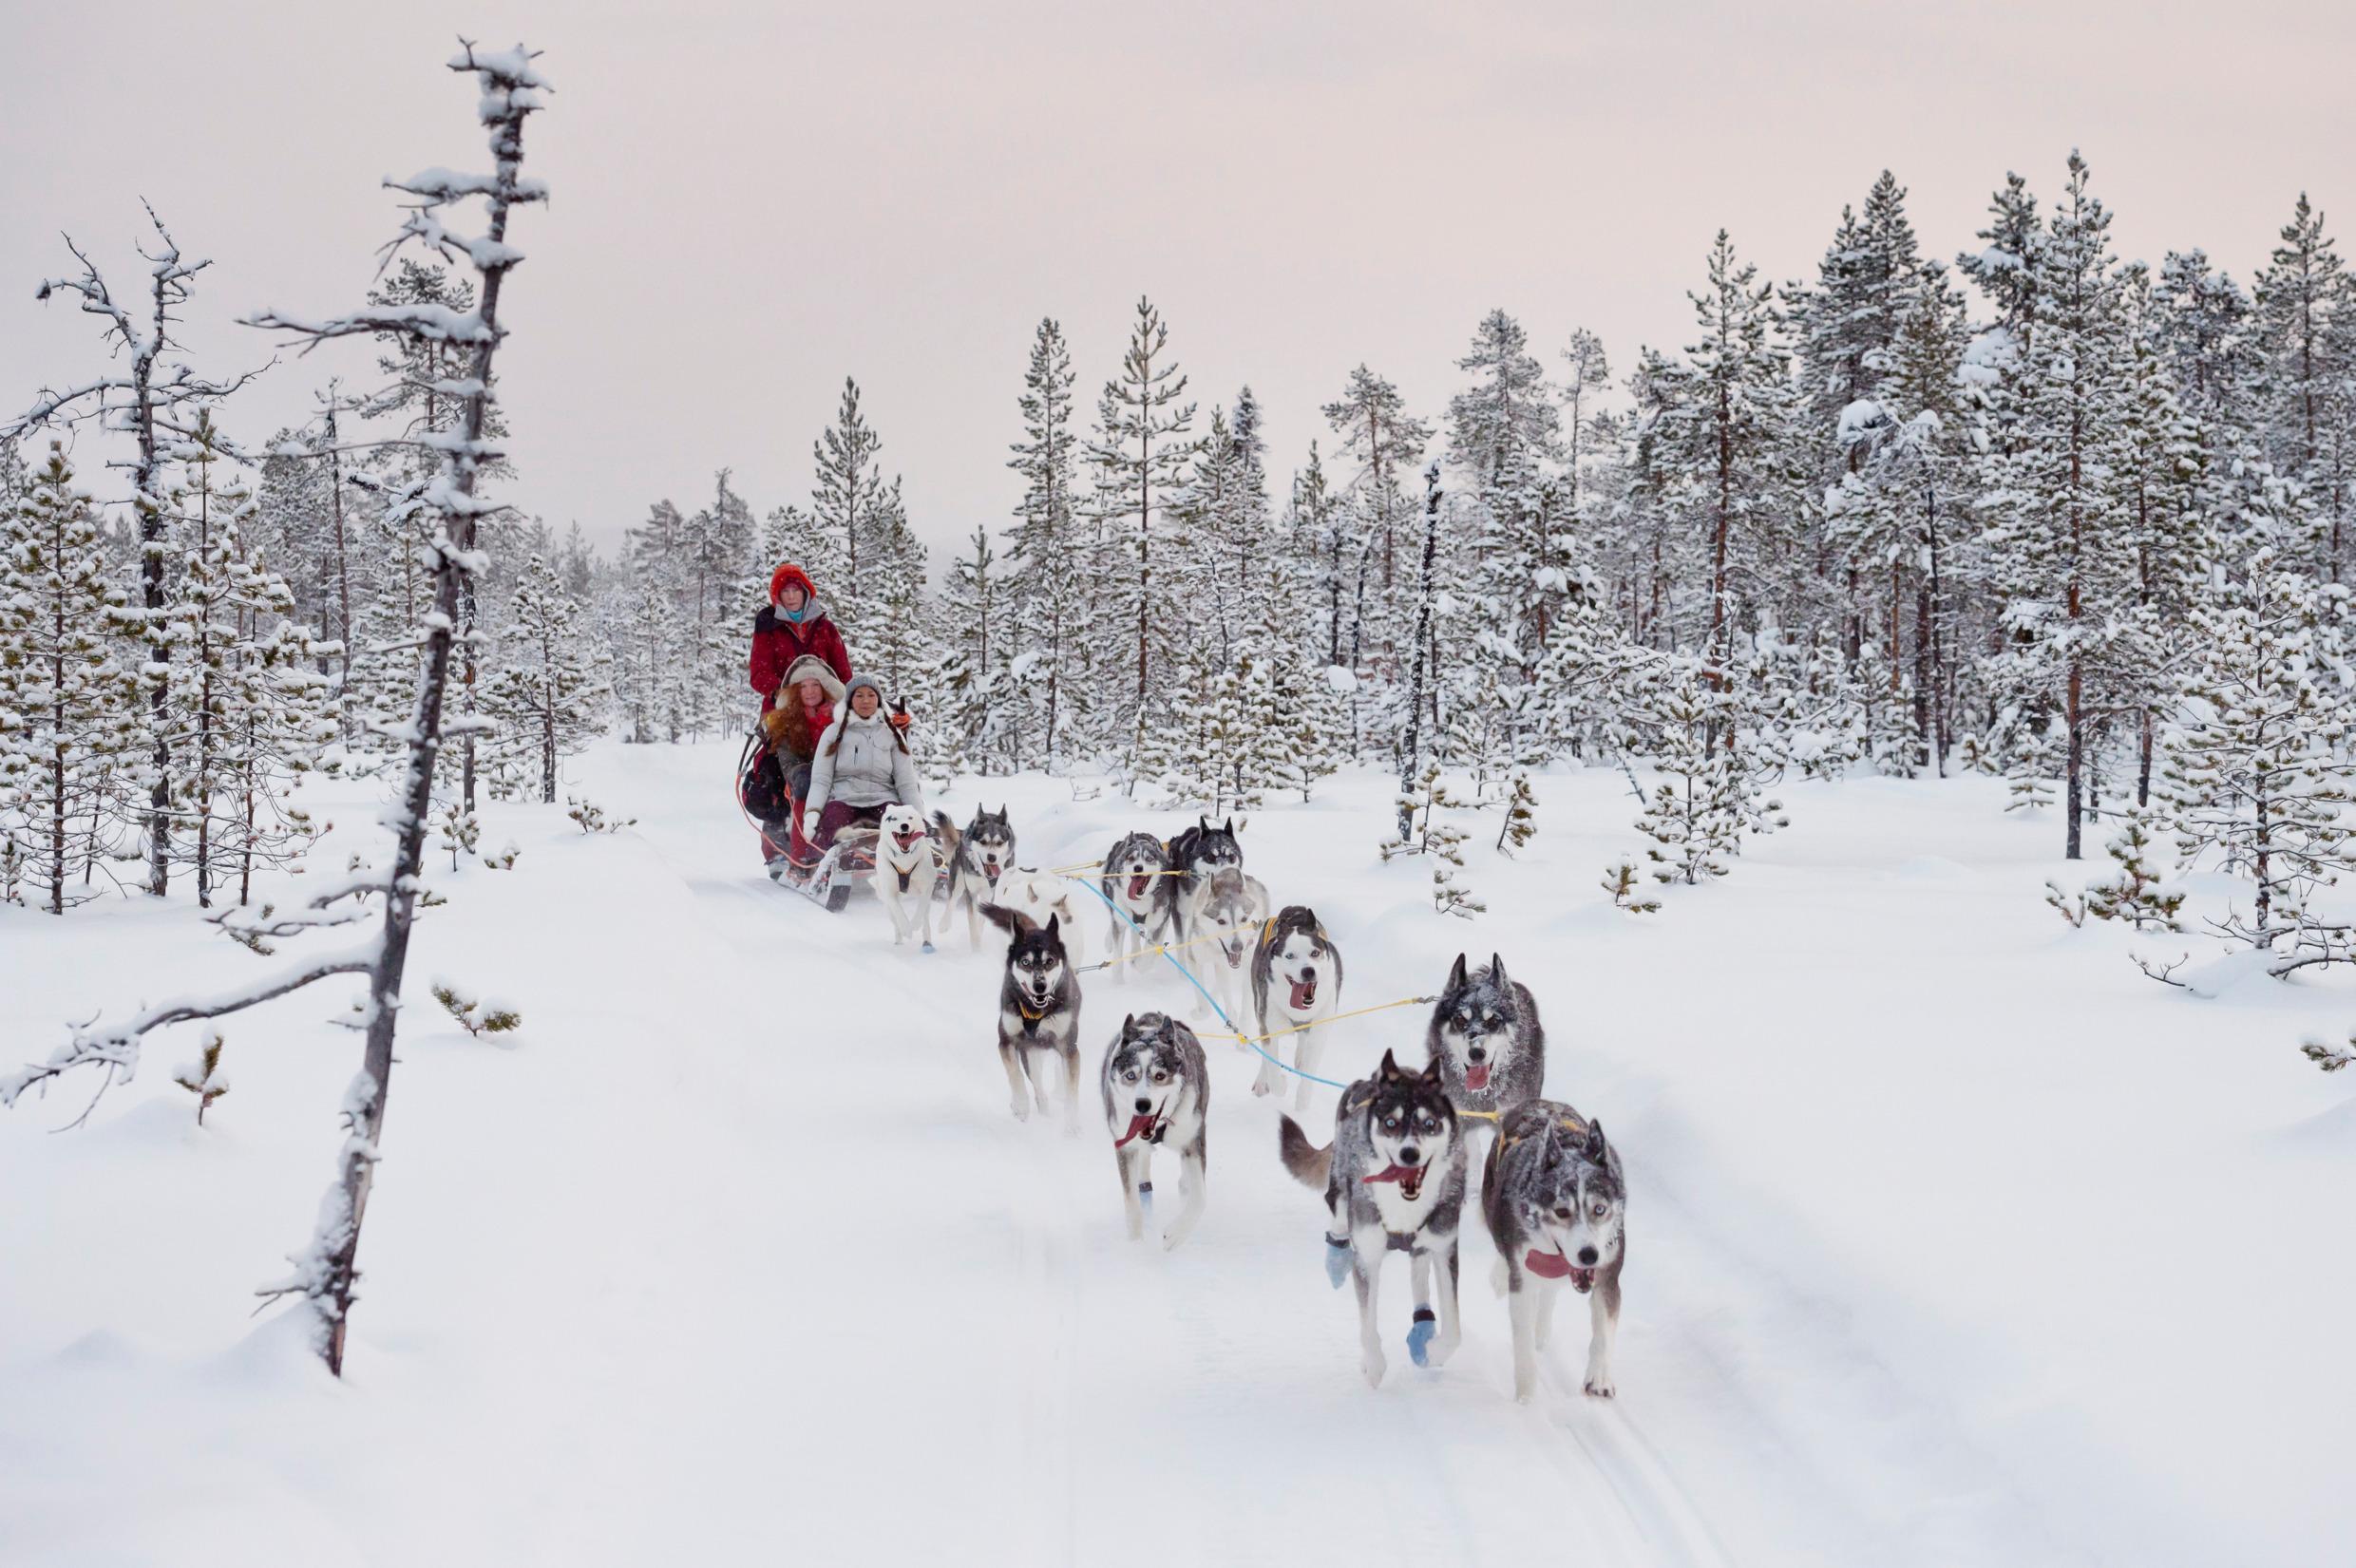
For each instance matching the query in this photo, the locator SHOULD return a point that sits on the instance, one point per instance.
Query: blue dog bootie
(1145, 1194)
(1337, 1261)
(1419, 1336)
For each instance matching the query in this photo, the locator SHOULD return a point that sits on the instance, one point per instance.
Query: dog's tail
(1311, 1166)
(947, 832)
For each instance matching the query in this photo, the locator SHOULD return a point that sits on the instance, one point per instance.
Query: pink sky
(752, 201)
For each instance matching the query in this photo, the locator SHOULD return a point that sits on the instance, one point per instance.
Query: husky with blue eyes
(1393, 1181)
(1557, 1207)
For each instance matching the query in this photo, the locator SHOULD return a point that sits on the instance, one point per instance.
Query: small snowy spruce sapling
(2328, 1056)
(1622, 881)
(592, 818)
(473, 1014)
(203, 1077)
(1521, 815)
(2134, 890)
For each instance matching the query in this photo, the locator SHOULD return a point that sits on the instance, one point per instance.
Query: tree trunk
(1410, 757)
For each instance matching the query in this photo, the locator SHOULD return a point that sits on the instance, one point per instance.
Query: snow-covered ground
(1954, 1239)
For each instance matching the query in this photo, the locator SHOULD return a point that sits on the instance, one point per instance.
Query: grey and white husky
(1557, 1207)
(977, 858)
(1487, 1040)
(1138, 883)
(1295, 981)
(1038, 1013)
(1225, 915)
(1393, 1181)
(1157, 1094)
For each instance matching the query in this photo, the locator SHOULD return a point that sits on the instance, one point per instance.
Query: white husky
(1040, 894)
(907, 864)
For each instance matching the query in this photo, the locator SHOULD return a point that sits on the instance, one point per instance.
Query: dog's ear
(1055, 928)
(1390, 1068)
(1432, 1072)
(1127, 1024)
(1455, 976)
(1496, 972)
(1203, 823)
(1596, 1150)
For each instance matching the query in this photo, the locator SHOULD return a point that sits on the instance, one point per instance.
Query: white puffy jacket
(859, 763)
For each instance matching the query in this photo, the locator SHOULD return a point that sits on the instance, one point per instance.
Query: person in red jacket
(794, 624)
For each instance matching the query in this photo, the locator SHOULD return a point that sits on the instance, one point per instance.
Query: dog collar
(1030, 1019)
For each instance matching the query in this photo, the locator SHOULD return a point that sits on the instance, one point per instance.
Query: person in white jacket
(862, 765)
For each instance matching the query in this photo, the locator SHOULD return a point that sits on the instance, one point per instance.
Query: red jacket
(776, 643)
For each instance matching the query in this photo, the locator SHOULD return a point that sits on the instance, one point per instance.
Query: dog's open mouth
(1140, 1126)
(1548, 1264)
(1409, 1180)
(1476, 1076)
(1304, 993)
(908, 838)
(1137, 884)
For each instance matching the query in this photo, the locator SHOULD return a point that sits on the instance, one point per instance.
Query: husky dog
(1041, 894)
(1039, 1013)
(907, 867)
(1296, 980)
(1485, 1038)
(1138, 883)
(1156, 1090)
(1393, 1181)
(976, 858)
(1199, 851)
(1558, 1211)
(1225, 912)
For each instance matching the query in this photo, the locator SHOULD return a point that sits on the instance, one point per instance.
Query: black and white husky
(1136, 882)
(1393, 1182)
(1485, 1038)
(1557, 1207)
(1038, 1013)
(1295, 981)
(1157, 1094)
(1225, 915)
(977, 858)
(1201, 850)
(907, 867)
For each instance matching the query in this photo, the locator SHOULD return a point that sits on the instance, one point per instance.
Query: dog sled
(769, 803)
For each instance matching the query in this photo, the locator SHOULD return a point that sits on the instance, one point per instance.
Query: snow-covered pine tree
(550, 692)
(2137, 889)
(72, 714)
(153, 397)
(846, 503)
(1142, 452)
(2257, 767)
(1384, 442)
(1047, 601)
(2305, 326)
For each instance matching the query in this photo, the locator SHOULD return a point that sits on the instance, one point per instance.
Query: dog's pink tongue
(1553, 1265)
(1139, 1125)
(1304, 992)
(1137, 886)
(1476, 1078)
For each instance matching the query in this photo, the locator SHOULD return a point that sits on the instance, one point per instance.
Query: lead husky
(1137, 884)
(1393, 1181)
(909, 865)
(1224, 914)
(1487, 1040)
(1157, 1091)
(1557, 1208)
(976, 858)
(1296, 980)
(1039, 1013)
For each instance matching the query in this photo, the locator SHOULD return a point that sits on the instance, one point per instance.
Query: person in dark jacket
(794, 625)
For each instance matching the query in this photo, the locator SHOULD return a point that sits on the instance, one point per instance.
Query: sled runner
(843, 867)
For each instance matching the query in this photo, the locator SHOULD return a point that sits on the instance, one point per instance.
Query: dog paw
(929, 948)
(1022, 1108)
(1261, 1086)
(1420, 1338)
(1374, 1366)
(1600, 1384)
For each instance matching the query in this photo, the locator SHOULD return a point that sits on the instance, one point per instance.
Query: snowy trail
(1235, 1348)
